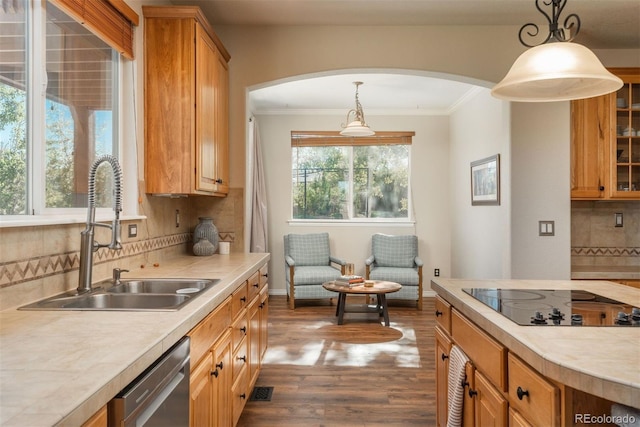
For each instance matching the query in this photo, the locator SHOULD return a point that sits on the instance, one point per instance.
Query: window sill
(41, 220)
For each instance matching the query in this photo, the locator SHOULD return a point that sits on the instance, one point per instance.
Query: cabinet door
(99, 419)
(169, 103)
(201, 394)
(625, 136)
(222, 126)
(205, 111)
(222, 397)
(590, 131)
(443, 347)
(264, 321)
(254, 340)
(491, 406)
(516, 420)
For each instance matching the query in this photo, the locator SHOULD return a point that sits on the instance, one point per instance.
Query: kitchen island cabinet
(61, 367)
(547, 374)
(186, 104)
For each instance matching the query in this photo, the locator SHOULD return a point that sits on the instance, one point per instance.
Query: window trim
(334, 139)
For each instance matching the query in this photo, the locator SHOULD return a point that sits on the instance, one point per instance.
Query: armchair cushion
(309, 249)
(314, 275)
(405, 276)
(394, 251)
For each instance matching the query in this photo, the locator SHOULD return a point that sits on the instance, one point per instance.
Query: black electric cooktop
(550, 307)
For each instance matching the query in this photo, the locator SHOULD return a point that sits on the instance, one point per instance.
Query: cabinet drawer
(239, 330)
(240, 359)
(264, 275)
(443, 314)
(208, 330)
(539, 400)
(239, 300)
(516, 420)
(254, 285)
(240, 395)
(488, 355)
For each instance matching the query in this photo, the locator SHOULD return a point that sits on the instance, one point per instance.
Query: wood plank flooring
(357, 374)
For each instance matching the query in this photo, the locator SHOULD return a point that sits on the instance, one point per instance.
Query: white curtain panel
(259, 237)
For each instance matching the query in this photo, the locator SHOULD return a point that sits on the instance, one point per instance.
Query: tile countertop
(604, 361)
(605, 272)
(60, 367)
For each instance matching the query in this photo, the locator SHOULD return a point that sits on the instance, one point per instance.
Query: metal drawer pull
(522, 393)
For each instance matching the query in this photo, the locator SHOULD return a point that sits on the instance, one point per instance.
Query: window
(49, 138)
(344, 178)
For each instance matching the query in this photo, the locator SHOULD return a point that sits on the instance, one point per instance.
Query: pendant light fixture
(555, 69)
(356, 127)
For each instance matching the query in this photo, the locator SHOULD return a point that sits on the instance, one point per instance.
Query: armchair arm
(337, 260)
(290, 262)
(370, 260)
(418, 262)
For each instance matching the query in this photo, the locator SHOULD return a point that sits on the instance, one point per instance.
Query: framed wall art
(485, 181)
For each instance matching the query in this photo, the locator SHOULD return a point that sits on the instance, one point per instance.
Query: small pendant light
(357, 127)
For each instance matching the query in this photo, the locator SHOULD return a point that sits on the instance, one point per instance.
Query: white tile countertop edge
(603, 361)
(60, 367)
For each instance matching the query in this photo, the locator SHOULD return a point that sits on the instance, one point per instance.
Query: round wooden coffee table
(379, 289)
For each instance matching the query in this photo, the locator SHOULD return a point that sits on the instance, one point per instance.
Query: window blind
(333, 138)
(111, 20)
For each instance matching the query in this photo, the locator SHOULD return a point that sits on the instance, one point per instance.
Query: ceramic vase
(207, 231)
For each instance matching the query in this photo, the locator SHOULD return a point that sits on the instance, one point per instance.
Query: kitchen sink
(162, 286)
(136, 302)
(129, 295)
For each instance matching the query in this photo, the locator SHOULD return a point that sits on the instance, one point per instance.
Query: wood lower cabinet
(443, 347)
(99, 419)
(490, 406)
(516, 420)
(225, 365)
(186, 103)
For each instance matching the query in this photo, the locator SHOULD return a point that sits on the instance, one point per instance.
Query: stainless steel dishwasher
(159, 396)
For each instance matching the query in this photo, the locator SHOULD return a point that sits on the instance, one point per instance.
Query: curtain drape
(259, 236)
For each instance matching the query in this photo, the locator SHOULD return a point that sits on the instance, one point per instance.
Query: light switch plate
(133, 230)
(618, 216)
(546, 228)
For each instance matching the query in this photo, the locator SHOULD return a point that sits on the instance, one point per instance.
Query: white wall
(480, 235)
(540, 190)
(429, 155)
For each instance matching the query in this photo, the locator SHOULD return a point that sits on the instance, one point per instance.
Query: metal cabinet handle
(243, 358)
(444, 357)
(244, 329)
(220, 365)
(472, 393)
(215, 373)
(256, 285)
(265, 275)
(243, 396)
(521, 393)
(243, 299)
(438, 313)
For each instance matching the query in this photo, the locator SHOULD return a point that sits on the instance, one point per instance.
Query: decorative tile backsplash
(15, 272)
(613, 252)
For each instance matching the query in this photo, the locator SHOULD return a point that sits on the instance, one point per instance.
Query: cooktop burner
(557, 307)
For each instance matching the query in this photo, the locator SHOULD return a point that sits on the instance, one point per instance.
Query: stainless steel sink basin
(162, 286)
(129, 295)
(135, 302)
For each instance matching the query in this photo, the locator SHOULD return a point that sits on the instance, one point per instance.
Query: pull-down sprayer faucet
(87, 244)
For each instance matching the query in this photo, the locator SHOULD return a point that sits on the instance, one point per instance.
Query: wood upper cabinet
(605, 142)
(589, 141)
(186, 103)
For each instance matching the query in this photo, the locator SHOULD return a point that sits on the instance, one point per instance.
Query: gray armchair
(395, 259)
(308, 264)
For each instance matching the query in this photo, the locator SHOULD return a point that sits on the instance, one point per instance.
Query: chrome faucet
(87, 244)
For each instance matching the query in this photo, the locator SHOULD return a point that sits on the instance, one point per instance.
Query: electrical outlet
(436, 272)
(618, 216)
(133, 230)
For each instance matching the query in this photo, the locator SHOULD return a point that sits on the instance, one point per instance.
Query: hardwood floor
(357, 374)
